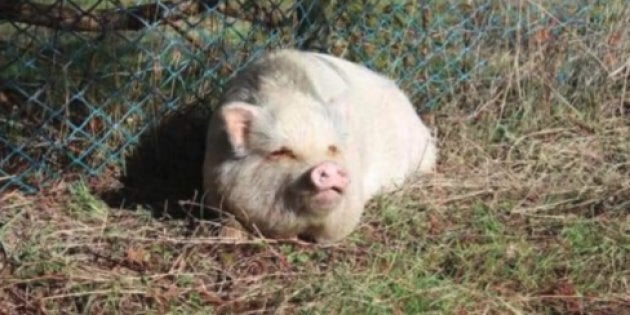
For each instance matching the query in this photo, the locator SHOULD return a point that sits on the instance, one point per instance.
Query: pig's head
(284, 165)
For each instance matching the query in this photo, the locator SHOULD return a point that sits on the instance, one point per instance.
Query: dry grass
(537, 222)
(529, 211)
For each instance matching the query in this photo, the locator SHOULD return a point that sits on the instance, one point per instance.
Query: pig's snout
(329, 176)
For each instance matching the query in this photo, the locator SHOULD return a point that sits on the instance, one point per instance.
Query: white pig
(302, 140)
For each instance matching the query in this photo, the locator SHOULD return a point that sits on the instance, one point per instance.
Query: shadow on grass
(164, 171)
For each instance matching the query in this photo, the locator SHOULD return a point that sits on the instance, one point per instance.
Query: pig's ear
(237, 118)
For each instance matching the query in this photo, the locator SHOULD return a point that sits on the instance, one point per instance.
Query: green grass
(528, 213)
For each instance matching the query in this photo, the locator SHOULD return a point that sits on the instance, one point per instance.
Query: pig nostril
(329, 176)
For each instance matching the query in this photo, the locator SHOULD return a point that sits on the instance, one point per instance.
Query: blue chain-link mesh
(82, 80)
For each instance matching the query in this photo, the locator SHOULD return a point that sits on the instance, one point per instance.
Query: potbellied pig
(302, 140)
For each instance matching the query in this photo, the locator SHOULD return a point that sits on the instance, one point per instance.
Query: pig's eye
(281, 153)
(333, 150)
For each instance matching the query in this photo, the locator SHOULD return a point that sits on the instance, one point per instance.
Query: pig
(301, 141)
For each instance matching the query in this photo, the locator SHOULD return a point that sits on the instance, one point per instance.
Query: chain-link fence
(82, 81)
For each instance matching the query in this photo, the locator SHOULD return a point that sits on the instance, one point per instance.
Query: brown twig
(131, 18)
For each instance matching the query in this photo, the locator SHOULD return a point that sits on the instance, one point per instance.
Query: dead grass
(529, 212)
(533, 223)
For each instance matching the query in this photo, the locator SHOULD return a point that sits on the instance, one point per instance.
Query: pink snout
(329, 177)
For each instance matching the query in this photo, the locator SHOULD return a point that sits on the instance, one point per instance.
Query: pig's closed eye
(333, 150)
(281, 153)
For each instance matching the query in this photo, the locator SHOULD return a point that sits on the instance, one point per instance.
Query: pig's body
(303, 140)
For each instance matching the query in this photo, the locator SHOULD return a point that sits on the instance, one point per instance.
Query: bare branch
(135, 17)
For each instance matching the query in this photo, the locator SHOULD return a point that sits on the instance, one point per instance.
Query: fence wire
(81, 81)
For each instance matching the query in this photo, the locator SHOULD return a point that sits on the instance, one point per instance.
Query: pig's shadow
(163, 172)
